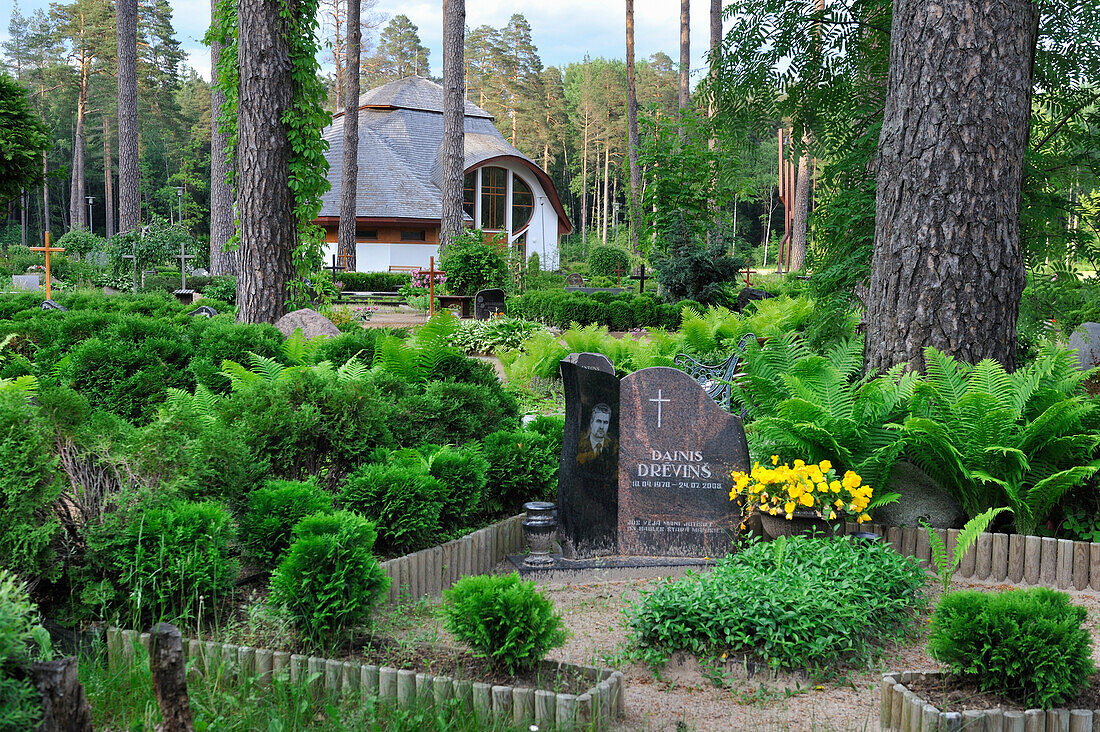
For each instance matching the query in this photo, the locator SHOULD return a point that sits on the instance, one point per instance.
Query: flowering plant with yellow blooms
(781, 490)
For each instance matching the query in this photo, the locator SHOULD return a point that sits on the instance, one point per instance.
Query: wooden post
(432, 272)
(169, 678)
(64, 705)
(48, 250)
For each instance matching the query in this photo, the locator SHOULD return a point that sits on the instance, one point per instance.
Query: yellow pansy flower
(775, 459)
(806, 499)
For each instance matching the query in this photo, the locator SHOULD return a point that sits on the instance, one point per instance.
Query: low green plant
(462, 473)
(273, 511)
(503, 617)
(816, 604)
(1028, 645)
(473, 264)
(404, 502)
(329, 580)
(945, 565)
(496, 334)
(222, 288)
(605, 259)
(20, 704)
(454, 412)
(523, 466)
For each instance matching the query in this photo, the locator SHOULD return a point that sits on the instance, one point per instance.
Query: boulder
(312, 323)
(1086, 341)
(921, 499)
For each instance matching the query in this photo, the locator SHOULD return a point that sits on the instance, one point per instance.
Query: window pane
(469, 190)
(522, 203)
(493, 182)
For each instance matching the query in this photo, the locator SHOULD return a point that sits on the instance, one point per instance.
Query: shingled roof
(400, 134)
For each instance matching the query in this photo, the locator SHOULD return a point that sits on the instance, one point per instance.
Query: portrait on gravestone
(596, 444)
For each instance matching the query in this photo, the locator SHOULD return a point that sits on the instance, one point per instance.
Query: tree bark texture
(108, 179)
(454, 120)
(78, 214)
(632, 131)
(129, 213)
(345, 236)
(685, 53)
(800, 218)
(265, 203)
(947, 269)
(170, 679)
(715, 30)
(64, 704)
(221, 194)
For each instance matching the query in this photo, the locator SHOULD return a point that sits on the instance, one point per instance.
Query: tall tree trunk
(45, 197)
(108, 179)
(23, 217)
(584, 191)
(222, 262)
(685, 53)
(78, 214)
(265, 203)
(345, 237)
(801, 217)
(632, 131)
(129, 212)
(947, 269)
(715, 30)
(606, 198)
(454, 120)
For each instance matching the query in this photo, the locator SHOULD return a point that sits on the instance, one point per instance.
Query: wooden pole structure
(48, 250)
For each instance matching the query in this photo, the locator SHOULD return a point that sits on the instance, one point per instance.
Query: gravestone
(488, 303)
(574, 280)
(1086, 341)
(749, 294)
(676, 454)
(203, 311)
(200, 272)
(588, 482)
(26, 282)
(311, 322)
(51, 305)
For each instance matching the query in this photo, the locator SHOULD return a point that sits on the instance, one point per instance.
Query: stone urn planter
(540, 526)
(804, 523)
(902, 710)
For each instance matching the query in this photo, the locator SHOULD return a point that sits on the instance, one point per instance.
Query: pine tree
(400, 53)
(481, 51)
(454, 122)
(346, 232)
(129, 215)
(519, 73)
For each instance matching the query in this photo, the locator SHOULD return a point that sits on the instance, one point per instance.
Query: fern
(946, 566)
(299, 350)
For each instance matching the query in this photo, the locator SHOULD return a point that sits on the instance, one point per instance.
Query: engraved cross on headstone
(183, 256)
(660, 403)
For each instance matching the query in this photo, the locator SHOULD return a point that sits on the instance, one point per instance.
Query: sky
(563, 30)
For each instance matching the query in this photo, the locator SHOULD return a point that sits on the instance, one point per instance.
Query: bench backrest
(717, 380)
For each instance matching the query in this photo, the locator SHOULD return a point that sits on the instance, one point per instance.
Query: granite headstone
(51, 305)
(203, 311)
(26, 282)
(1086, 341)
(488, 303)
(588, 484)
(676, 455)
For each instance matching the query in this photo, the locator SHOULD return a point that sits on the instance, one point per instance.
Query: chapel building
(399, 205)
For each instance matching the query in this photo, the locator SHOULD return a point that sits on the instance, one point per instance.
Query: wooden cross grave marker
(183, 256)
(641, 279)
(619, 275)
(48, 250)
(335, 268)
(431, 272)
(133, 258)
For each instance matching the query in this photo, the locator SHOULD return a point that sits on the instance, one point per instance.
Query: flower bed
(595, 708)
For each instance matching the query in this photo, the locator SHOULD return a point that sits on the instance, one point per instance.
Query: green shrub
(158, 560)
(222, 288)
(20, 703)
(503, 617)
(523, 466)
(329, 580)
(704, 274)
(358, 343)
(28, 485)
(454, 412)
(272, 513)
(220, 338)
(621, 312)
(1028, 645)
(826, 603)
(404, 502)
(462, 473)
(551, 427)
(79, 241)
(603, 260)
(473, 264)
(373, 281)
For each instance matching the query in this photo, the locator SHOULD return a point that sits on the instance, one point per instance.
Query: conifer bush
(404, 502)
(273, 511)
(20, 703)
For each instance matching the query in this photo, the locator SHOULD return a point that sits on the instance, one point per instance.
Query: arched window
(522, 203)
(493, 194)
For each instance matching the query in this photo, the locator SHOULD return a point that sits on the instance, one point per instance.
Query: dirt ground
(683, 698)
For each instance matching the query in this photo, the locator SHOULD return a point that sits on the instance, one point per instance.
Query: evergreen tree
(400, 53)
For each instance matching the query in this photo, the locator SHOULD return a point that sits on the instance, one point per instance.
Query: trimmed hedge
(373, 281)
(621, 312)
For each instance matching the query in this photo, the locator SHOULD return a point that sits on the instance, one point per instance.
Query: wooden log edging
(900, 710)
(1059, 564)
(428, 572)
(597, 708)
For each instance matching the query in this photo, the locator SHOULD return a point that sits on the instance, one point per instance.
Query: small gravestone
(26, 282)
(574, 280)
(676, 454)
(588, 485)
(203, 311)
(312, 323)
(51, 305)
(488, 303)
(748, 294)
(200, 272)
(1086, 341)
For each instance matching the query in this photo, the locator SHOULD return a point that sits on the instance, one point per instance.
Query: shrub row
(373, 281)
(620, 312)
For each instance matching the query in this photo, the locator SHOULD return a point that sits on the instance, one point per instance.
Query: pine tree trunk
(947, 269)
(715, 31)
(685, 53)
(349, 186)
(221, 193)
(45, 196)
(454, 120)
(129, 214)
(108, 179)
(632, 132)
(265, 203)
(78, 215)
(606, 199)
(584, 191)
(800, 218)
